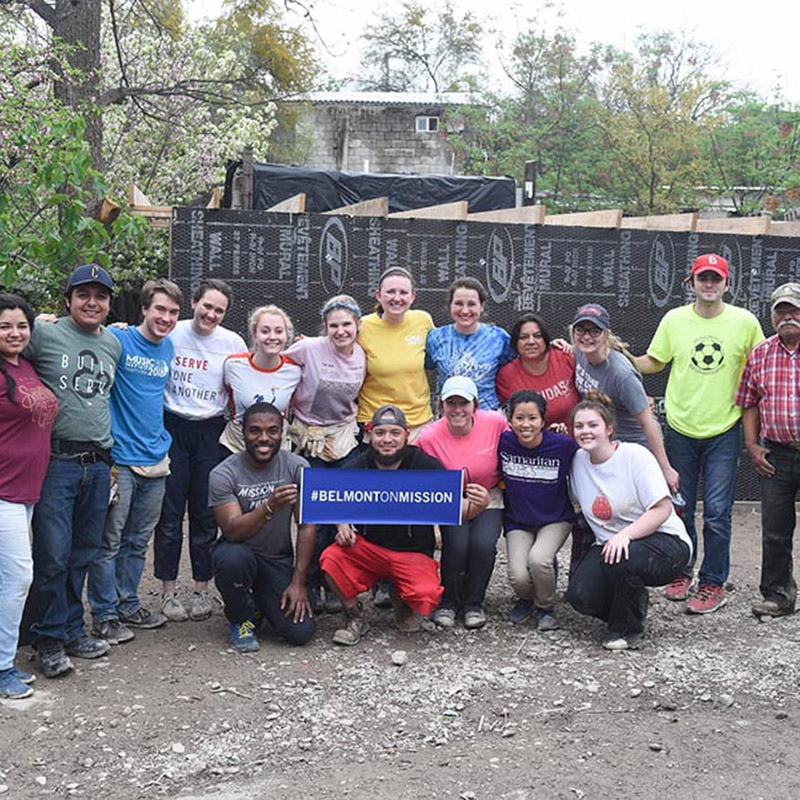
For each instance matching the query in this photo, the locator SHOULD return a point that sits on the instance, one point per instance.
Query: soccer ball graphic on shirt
(708, 355)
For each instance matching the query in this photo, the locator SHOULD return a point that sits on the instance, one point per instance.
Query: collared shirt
(771, 381)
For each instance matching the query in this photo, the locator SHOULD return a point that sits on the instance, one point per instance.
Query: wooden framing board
(457, 210)
(291, 205)
(376, 207)
(746, 226)
(609, 218)
(785, 228)
(667, 222)
(158, 216)
(529, 215)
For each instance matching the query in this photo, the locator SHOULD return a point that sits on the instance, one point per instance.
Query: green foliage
(47, 182)
(421, 48)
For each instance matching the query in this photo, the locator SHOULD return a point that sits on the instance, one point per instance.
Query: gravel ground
(708, 707)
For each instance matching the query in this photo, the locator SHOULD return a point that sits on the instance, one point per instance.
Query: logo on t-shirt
(708, 355)
(601, 507)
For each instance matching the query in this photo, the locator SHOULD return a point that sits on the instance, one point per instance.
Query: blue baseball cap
(592, 312)
(89, 273)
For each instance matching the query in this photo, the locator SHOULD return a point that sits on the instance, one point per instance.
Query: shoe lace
(707, 592)
(245, 629)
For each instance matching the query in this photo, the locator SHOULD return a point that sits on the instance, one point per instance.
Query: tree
(658, 106)
(421, 48)
(753, 158)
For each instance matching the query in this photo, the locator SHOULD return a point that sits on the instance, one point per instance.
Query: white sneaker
(201, 606)
(172, 608)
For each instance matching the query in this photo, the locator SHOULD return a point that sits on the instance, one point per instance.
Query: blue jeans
(468, 554)
(248, 581)
(114, 576)
(16, 574)
(716, 460)
(68, 527)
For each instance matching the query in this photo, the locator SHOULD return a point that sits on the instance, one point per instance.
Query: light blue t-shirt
(476, 355)
(137, 400)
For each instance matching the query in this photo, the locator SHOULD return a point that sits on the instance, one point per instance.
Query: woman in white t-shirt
(639, 539)
(264, 375)
(325, 403)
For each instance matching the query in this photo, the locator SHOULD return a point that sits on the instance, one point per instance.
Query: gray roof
(390, 98)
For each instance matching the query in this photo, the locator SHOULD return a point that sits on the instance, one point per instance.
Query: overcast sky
(757, 44)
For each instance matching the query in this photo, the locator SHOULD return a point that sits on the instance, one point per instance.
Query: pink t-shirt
(25, 427)
(328, 390)
(556, 385)
(476, 452)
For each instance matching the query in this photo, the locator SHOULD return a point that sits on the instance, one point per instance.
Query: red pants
(356, 569)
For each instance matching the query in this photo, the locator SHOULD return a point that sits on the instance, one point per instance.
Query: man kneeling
(252, 495)
(402, 554)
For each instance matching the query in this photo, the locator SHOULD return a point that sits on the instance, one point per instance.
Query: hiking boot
(521, 611)
(445, 617)
(405, 618)
(356, 625)
(201, 607)
(243, 637)
(769, 608)
(11, 687)
(619, 641)
(679, 588)
(52, 658)
(333, 605)
(86, 646)
(547, 620)
(112, 630)
(21, 675)
(381, 595)
(172, 608)
(142, 618)
(474, 617)
(707, 599)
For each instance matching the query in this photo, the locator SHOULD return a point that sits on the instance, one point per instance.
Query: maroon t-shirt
(25, 427)
(556, 385)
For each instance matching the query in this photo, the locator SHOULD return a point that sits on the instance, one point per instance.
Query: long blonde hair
(256, 315)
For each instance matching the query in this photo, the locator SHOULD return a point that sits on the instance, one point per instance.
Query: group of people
(553, 438)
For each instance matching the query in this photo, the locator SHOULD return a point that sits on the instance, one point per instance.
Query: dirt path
(708, 707)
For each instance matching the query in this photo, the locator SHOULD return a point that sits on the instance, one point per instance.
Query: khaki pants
(530, 561)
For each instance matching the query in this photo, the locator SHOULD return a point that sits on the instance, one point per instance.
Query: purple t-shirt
(536, 480)
(328, 390)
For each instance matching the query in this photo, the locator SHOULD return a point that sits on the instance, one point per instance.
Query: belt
(83, 452)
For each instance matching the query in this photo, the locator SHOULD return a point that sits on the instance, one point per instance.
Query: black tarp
(329, 189)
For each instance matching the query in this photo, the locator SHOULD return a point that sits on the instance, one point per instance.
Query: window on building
(427, 124)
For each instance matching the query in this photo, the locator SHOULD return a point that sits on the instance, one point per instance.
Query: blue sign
(375, 496)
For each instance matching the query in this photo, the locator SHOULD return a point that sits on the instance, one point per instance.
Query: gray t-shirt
(234, 480)
(79, 368)
(617, 378)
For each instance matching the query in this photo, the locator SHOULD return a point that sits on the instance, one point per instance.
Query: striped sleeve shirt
(771, 382)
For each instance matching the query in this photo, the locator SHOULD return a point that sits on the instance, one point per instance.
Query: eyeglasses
(593, 332)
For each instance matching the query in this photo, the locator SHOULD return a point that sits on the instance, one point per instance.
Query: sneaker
(86, 646)
(112, 630)
(381, 597)
(706, 600)
(356, 625)
(618, 641)
(445, 617)
(172, 608)
(547, 620)
(243, 637)
(474, 617)
(333, 605)
(521, 611)
(769, 608)
(11, 687)
(201, 607)
(142, 618)
(52, 658)
(25, 677)
(679, 588)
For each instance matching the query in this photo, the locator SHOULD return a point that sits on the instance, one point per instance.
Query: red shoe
(679, 588)
(707, 599)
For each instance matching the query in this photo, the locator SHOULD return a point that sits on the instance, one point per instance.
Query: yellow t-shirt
(708, 357)
(396, 366)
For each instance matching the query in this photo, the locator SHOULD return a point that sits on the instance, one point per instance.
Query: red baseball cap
(710, 262)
